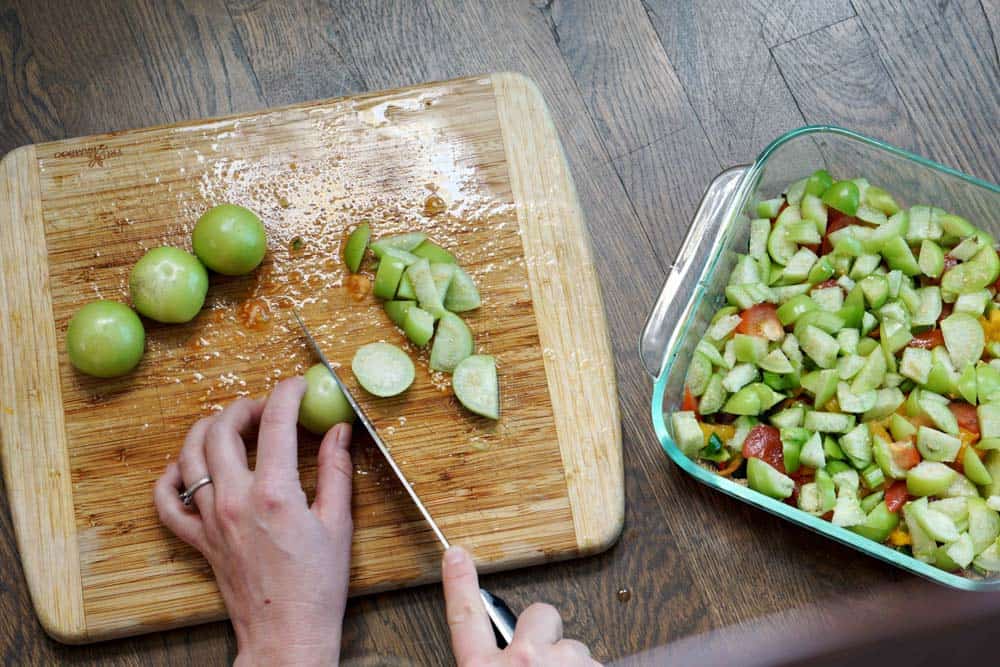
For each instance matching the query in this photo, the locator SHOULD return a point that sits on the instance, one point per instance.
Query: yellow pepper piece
(991, 327)
(832, 405)
(968, 438)
(898, 538)
(724, 431)
(878, 430)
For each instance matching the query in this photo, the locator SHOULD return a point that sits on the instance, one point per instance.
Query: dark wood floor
(652, 99)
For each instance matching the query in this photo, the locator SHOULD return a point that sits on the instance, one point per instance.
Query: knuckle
(239, 409)
(577, 646)
(569, 654)
(271, 427)
(344, 525)
(461, 614)
(229, 508)
(461, 578)
(524, 654)
(161, 511)
(271, 498)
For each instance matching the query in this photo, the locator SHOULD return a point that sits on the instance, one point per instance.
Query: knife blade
(501, 616)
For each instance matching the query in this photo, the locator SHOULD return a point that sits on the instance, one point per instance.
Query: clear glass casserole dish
(695, 284)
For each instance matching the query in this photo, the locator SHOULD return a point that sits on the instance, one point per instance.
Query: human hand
(537, 638)
(281, 565)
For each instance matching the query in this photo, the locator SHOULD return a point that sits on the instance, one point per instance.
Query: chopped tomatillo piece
(476, 387)
(843, 196)
(405, 242)
(452, 343)
(357, 243)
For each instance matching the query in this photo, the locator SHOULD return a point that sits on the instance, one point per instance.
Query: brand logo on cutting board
(96, 155)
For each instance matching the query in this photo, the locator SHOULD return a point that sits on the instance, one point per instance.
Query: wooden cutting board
(475, 163)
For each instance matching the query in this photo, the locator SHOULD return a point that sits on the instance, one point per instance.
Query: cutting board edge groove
(44, 519)
(537, 168)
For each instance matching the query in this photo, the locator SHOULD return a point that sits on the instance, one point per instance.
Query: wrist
(275, 643)
(278, 654)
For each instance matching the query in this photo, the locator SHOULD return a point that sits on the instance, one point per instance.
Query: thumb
(471, 633)
(333, 478)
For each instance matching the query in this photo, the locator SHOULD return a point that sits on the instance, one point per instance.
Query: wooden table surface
(652, 99)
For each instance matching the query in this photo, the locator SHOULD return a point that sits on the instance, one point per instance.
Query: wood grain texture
(311, 171)
(36, 467)
(697, 565)
(958, 44)
(782, 22)
(723, 62)
(205, 74)
(645, 154)
(34, 117)
(554, 236)
(847, 85)
(310, 61)
(110, 83)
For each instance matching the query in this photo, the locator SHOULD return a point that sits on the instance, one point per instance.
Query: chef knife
(501, 616)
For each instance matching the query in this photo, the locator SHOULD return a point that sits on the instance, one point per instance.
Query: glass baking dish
(694, 286)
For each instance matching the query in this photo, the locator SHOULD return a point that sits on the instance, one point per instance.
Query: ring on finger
(187, 495)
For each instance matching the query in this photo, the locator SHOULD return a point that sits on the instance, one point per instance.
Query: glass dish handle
(707, 228)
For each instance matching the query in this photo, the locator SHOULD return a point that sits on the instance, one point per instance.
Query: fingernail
(343, 434)
(455, 556)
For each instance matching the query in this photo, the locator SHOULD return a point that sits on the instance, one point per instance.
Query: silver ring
(187, 495)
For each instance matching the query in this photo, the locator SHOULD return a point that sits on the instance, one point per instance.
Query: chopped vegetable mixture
(854, 371)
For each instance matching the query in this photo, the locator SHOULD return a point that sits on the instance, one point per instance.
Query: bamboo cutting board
(475, 163)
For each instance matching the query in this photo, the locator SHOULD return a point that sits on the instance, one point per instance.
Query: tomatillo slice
(383, 369)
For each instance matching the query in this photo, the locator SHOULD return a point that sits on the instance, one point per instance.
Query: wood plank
(623, 74)
(782, 22)
(31, 114)
(992, 12)
(646, 123)
(837, 77)
(169, 79)
(293, 51)
(641, 112)
(522, 41)
(722, 60)
(204, 74)
(665, 181)
(85, 74)
(952, 91)
(72, 69)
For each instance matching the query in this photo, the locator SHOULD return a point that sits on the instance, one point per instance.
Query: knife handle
(501, 616)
